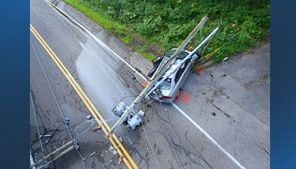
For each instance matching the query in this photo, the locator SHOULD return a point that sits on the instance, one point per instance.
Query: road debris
(88, 117)
(225, 60)
(200, 69)
(96, 129)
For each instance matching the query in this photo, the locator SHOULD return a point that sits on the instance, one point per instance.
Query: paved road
(220, 104)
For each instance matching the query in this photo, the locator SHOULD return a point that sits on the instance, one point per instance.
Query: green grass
(98, 17)
(154, 26)
(121, 31)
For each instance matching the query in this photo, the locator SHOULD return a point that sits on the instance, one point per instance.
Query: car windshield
(166, 84)
(181, 55)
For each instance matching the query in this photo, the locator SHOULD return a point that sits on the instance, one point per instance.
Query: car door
(179, 75)
(185, 73)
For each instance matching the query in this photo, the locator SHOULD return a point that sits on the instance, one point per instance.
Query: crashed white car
(168, 90)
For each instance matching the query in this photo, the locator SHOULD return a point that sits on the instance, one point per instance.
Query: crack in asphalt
(176, 145)
(219, 109)
(200, 155)
(60, 110)
(47, 135)
(134, 149)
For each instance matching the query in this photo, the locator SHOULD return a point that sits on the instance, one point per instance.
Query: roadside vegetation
(154, 26)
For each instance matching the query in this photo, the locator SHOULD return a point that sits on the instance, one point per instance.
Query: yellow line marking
(127, 159)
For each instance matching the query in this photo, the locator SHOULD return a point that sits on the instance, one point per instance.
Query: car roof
(178, 60)
(172, 68)
(181, 55)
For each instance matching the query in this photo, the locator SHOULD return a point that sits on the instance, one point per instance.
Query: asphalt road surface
(226, 121)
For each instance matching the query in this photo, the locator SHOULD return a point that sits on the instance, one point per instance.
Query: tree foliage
(167, 22)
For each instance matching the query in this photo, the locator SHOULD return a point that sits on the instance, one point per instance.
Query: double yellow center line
(113, 139)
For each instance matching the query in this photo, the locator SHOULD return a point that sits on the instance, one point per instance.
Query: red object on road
(184, 97)
(200, 69)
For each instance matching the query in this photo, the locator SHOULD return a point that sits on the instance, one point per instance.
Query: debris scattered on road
(225, 60)
(88, 117)
(93, 153)
(119, 160)
(131, 75)
(112, 150)
(120, 138)
(96, 129)
(200, 69)
(66, 121)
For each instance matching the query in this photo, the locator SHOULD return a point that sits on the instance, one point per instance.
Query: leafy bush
(167, 22)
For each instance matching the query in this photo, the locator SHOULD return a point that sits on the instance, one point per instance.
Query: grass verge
(126, 35)
(154, 26)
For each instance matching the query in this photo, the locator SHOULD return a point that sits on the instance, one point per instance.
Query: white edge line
(209, 137)
(98, 40)
(143, 77)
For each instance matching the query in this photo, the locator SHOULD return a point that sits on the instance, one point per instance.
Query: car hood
(165, 92)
